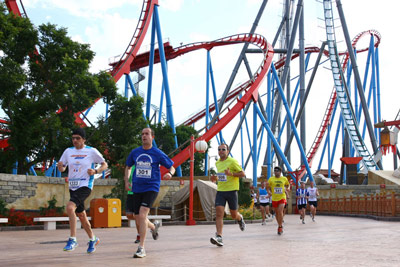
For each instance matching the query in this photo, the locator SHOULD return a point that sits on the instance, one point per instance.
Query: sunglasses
(277, 170)
(221, 149)
(76, 138)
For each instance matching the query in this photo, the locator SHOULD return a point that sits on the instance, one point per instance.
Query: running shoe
(280, 230)
(242, 224)
(71, 245)
(217, 240)
(92, 245)
(313, 219)
(137, 239)
(155, 231)
(303, 222)
(140, 253)
(263, 223)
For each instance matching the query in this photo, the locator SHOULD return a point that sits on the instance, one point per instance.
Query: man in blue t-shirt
(146, 183)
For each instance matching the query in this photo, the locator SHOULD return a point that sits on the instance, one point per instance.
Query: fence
(383, 205)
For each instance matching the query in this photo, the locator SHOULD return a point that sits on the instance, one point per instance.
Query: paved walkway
(330, 241)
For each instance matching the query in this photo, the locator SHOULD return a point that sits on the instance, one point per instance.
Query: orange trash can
(99, 212)
(114, 212)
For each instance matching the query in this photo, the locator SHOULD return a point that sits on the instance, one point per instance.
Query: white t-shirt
(78, 162)
(312, 194)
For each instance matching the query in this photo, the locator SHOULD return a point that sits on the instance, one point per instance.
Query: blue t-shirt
(147, 176)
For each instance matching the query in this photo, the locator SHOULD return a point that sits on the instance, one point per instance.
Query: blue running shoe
(71, 245)
(92, 245)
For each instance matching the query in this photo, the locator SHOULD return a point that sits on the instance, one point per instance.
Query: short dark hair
(223, 144)
(79, 131)
(278, 168)
(151, 131)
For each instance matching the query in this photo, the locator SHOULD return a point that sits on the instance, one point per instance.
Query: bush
(18, 218)
(250, 213)
(52, 210)
(244, 197)
(3, 209)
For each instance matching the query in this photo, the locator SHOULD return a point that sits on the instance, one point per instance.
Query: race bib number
(278, 190)
(143, 172)
(221, 177)
(263, 197)
(74, 184)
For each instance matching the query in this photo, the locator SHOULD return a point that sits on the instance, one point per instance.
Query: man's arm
(103, 167)
(128, 185)
(60, 166)
(170, 173)
(235, 174)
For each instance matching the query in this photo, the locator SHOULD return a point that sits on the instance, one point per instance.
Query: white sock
(73, 238)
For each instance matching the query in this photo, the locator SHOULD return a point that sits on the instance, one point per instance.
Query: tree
(166, 142)
(42, 89)
(118, 136)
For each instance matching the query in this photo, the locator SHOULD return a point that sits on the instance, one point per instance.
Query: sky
(108, 27)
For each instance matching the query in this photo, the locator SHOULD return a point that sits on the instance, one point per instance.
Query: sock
(73, 238)
(93, 239)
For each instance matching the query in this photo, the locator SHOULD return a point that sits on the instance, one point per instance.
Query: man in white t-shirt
(80, 160)
(312, 194)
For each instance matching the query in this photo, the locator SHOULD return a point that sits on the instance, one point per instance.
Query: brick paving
(330, 241)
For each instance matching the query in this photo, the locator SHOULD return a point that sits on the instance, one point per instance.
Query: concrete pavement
(330, 241)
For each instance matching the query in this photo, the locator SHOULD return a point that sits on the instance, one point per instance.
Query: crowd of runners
(142, 181)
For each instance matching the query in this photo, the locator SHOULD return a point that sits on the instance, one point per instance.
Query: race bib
(221, 177)
(263, 197)
(143, 172)
(73, 184)
(278, 190)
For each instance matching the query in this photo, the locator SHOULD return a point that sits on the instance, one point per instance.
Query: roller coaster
(268, 84)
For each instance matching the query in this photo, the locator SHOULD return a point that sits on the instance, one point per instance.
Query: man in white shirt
(312, 194)
(80, 160)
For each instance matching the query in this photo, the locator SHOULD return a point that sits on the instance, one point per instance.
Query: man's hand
(213, 178)
(167, 176)
(60, 166)
(128, 186)
(91, 171)
(228, 172)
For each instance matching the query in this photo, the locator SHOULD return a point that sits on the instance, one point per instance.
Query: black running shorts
(145, 199)
(79, 196)
(227, 196)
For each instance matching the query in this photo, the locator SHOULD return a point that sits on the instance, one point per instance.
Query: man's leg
(279, 214)
(262, 212)
(71, 207)
(144, 223)
(219, 221)
(85, 224)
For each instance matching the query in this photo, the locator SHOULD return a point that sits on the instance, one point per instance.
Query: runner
(312, 194)
(254, 197)
(228, 175)
(277, 186)
(80, 160)
(264, 202)
(129, 205)
(301, 194)
(146, 183)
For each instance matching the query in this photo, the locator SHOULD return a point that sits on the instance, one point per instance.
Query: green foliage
(166, 142)
(244, 194)
(3, 208)
(51, 209)
(41, 92)
(118, 191)
(250, 213)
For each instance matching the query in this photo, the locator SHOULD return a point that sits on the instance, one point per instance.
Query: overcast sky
(108, 26)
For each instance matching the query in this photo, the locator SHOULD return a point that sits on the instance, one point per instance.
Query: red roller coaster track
(130, 61)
